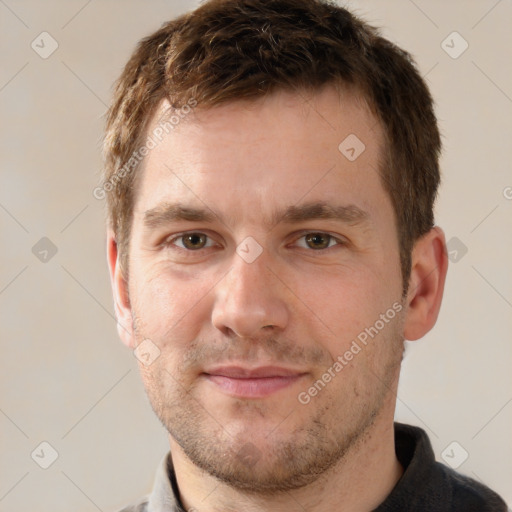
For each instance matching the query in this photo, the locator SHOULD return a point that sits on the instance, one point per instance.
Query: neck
(359, 482)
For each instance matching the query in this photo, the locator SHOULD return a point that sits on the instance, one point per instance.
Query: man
(271, 169)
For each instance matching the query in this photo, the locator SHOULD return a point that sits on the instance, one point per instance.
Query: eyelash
(170, 242)
(332, 238)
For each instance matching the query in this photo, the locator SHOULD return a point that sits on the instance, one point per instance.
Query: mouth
(241, 382)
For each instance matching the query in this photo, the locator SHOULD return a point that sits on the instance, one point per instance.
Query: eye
(318, 241)
(191, 241)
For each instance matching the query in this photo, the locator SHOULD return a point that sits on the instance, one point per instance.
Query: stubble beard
(280, 461)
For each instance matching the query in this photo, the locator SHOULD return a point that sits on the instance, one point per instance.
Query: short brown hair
(228, 50)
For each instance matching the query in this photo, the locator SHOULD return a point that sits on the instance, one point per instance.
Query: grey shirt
(425, 486)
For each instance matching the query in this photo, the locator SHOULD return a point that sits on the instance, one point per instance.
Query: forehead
(250, 157)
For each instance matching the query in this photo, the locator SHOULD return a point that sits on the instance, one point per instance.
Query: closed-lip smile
(256, 382)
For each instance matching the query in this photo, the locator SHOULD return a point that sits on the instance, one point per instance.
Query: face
(264, 268)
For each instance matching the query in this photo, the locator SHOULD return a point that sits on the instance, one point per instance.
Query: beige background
(67, 380)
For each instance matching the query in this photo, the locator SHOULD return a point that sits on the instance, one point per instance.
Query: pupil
(194, 241)
(318, 240)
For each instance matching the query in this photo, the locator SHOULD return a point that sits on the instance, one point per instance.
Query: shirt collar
(165, 494)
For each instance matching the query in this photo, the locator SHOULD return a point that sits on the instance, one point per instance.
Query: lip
(260, 382)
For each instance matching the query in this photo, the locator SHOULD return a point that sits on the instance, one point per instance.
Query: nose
(250, 300)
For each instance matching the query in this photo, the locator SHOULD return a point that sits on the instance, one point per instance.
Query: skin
(300, 304)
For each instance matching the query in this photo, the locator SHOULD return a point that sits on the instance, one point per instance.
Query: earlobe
(119, 284)
(429, 266)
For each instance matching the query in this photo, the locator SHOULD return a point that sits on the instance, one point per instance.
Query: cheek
(338, 306)
(171, 308)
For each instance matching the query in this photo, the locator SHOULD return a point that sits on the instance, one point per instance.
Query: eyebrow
(349, 214)
(167, 213)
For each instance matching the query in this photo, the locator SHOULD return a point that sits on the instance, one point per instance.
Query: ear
(119, 284)
(426, 284)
